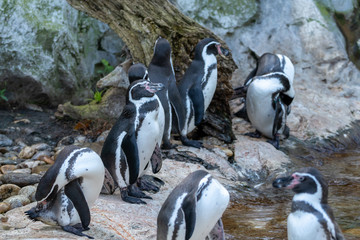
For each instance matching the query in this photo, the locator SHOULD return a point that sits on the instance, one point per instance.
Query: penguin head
(209, 46)
(42, 212)
(143, 89)
(307, 181)
(162, 52)
(137, 71)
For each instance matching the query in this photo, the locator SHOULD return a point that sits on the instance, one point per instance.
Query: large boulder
(51, 52)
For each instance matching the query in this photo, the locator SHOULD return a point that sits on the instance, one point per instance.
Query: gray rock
(7, 161)
(17, 201)
(29, 192)
(20, 179)
(8, 190)
(27, 152)
(5, 141)
(41, 147)
(40, 154)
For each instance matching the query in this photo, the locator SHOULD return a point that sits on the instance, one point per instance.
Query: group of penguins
(156, 105)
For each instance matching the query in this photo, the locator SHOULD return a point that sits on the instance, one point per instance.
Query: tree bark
(140, 22)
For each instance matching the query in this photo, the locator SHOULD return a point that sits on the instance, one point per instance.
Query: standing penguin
(193, 209)
(68, 189)
(161, 71)
(267, 63)
(137, 71)
(311, 217)
(198, 85)
(131, 142)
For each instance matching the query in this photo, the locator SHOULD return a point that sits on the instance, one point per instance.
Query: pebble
(27, 152)
(4, 207)
(17, 201)
(8, 190)
(41, 147)
(20, 179)
(47, 159)
(5, 141)
(7, 168)
(23, 170)
(40, 154)
(41, 169)
(6, 161)
(29, 164)
(29, 192)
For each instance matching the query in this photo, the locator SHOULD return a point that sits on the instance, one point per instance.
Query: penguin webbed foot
(150, 183)
(132, 194)
(191, 143)
(168, 145)
(275, 142)
(77, 230)
(255, 134)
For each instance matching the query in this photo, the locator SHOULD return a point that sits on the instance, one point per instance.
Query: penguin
(193, 209)
(161, 71)
(68, 189)
(266, 64)
(311, 217)
(131, 141)
(197, 87)
(137, 71)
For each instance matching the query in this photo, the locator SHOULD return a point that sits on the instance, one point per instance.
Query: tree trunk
(140, 22)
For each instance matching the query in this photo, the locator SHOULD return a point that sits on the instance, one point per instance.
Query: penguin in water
(311, 217)
(68, 189)
(198, 86)
(267, 63)
(131, 141)
(193, 209)
(268, 100)
(161, 71)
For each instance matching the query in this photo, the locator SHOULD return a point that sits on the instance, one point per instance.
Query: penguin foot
(150, 183)
(130, 199)
(76, 230)
(275, 142)
(255, 134)
(168, 145)
(191, 143)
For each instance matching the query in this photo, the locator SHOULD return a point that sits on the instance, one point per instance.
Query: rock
(7, 168)
(8, 190)
(7, 161)
(28, 164)
(102, 137)
(27, 152)
(41, 169)
(20, 179)
(24, 170)
(17, 201)
(29, 192)
(4, 207)
(47, 159)
(5, 141)
(41, 147)
(41, 154)
(117, 78)
(69, 49)
(257, 160)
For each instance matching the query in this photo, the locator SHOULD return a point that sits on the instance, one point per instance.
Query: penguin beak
(154, 87)
(222, 51)
(284, 182)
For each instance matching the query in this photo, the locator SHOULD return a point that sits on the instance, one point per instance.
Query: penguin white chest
(209, 87)
(149, 133)
(303, 226)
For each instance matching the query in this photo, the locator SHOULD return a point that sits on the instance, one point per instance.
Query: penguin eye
(301, 178)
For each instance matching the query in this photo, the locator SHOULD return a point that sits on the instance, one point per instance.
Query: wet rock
(27, 152)
(41, 169)
(5, 141)
(29, 164)
(20, 179)
(41, 147)
(41, 154)
(8, 190)
(29, 192)
(7, 168)
(4, 207)
(11, 155)
(24, 170)
(17, 201)
(5, 161)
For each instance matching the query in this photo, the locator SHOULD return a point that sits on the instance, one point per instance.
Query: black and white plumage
(131, 141)
(161, 71)
(137, 71)
(311, 217)
(68, 189)
(198, 86)
(269, 93)
(193, 209)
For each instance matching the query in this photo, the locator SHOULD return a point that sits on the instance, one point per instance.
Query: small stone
(4, 207)
(20, 179)
(4, 218)
(28, 164)
(6, 161)
(47, 159)
(4, 150)
(7, 168)
(24, 170)
(41, 169)
(5, 141)
(41, 147)
(40, 154)
(8, 190)
(68, 140)
(102, 136)
(17, 201)
(27, 152)
(29, 192)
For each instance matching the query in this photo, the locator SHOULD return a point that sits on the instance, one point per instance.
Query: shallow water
(261, 214)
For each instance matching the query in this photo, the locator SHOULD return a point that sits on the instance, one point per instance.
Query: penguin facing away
(131, 141)
(193, 209)
(137, 71)
(161, 71)
(68, 189)
(311, 217)
(198, 86)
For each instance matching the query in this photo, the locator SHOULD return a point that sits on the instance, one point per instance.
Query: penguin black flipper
(130, 148)
(74, 192)
(197, 98)
(76, 231)
(176, 103)
(189, 209)
(277, 122)
(338, 234)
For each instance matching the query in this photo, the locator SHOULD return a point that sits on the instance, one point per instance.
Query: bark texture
(140, 22)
